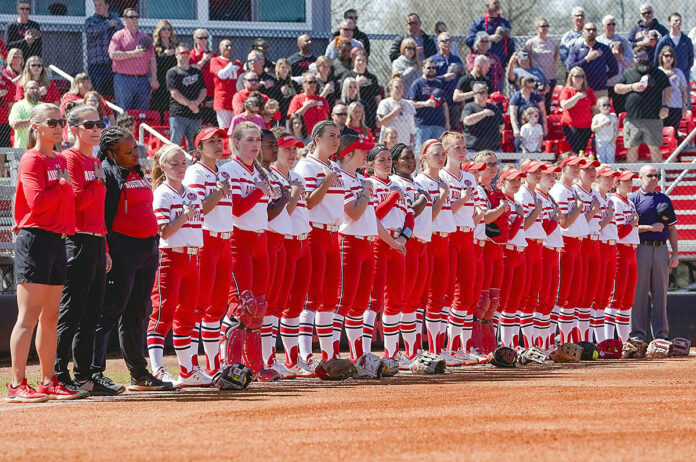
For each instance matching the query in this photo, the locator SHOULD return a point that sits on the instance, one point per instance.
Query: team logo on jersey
(225, 175)
(191, 196)
(467, 183)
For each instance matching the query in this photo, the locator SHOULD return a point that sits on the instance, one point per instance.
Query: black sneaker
(99, 387)
(149, 382)
(104, 382)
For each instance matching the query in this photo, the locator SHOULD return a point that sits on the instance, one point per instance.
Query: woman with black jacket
(133, 241)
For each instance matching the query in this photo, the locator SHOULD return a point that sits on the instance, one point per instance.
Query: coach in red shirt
(312, 107)
(225, 72)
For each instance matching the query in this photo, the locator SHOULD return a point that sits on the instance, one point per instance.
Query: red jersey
(88, 191)
(52, 94)
(507, 229)
(314, 114)
(9, 98)
(224, 81)
(241, 96)
(42, 200)
(197, 55)
(134, 216)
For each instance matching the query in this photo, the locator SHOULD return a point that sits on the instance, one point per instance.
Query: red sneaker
(24, 393)
(61, 391)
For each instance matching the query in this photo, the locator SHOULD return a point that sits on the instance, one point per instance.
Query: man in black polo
(483, 122)
(656, 225)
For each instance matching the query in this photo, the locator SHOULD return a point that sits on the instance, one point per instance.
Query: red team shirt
(314, 114)
(89, 192)
(134, 216)
(225, 74)
(197, 55)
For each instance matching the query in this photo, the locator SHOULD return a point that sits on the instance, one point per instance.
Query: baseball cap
(627, 175)
(497, 97)
(360, 143)
(550, 168)
(606, 170)
(289, 141)
(471, 166)
(571, 160)
(511, 174)
(208, 133)
(589, 163)
(532, 166)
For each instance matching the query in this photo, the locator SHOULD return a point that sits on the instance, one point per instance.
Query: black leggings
(577, 137)
(673, 119)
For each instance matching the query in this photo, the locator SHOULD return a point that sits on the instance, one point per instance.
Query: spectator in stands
(498, 29)
(164, 41)
(127, 121)
(24, 33)
(579, 105)
(298, 128)
(261, 44)
(692, 36)
(595, 58)
(339, 114)
(3, 49)
(7, 99)
(679, 101)
(328, 88)
(271, 114)
(639, 34)
(407, 64)
(610, 35)
(14, 66)
(656, 225)
(257, 64)
(479, 74)
(682, 47)
(226, 71)
(94, 99)
(350, 91)
(605, 126)
(21, 111)
(531, 133)
(251, 83)
(252, 108)
(648, 93)
(187, 92)
(100, 28)
(133, 59)
(654, 38)
(356, 121)
(569, 38)
(523, 98)
(441, 27)
(482, 46)
(284, 88)
(201, 55)
(521, 66)
(543, 52)
(345, 30)
(34, 69)
(79, 87)
(425, 45)
(617, 49)
(343, 62)
(312, 107)
(450, 68)
(483, 121)
(427, 95)
(300, 61)
(395, 112)
(370, 94)
(390, 137)
(352, 15)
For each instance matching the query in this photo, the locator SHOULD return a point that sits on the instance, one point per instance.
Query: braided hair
(108, 139)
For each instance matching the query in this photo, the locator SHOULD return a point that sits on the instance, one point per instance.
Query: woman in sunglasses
(679, 101)
(88, 259)
(44, 214)
(34, 69)
(200, 58)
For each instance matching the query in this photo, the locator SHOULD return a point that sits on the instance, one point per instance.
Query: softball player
(574, 229)
(394, 212)
(179, 213)
(215, 258)
(325, 197)
(603, 319)
(626, 271)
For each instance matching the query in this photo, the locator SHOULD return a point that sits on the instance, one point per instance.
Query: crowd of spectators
(434, 85)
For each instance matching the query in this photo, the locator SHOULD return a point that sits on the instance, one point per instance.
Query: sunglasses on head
(53, 123)
(90, 124)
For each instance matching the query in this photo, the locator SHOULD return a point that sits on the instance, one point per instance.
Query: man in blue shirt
(569, 38)
(100, 27)
(680, 43)
(432, 113)
(450, 68)
(497, 27)
(595, 58)
(639, 34)
(656, 225)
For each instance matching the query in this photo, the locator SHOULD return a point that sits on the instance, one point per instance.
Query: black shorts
(40, 257)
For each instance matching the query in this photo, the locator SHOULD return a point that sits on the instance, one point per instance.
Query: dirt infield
(623, 410)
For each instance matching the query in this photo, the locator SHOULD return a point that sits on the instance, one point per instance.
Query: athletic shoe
(310, 365)
(99, 379)
(195, 378)
(450, 360)
(465, 358)
(148, 382)
(282, 370)
(478, 355)
(99, 388)
(61, 391)
(162, 374)
(404, 362)
(24, 393)
(301, 369)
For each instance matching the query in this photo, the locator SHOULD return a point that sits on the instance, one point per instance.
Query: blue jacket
(443, 64)
(640, 29)
(684, 53)
(503, 49)
(599, 70)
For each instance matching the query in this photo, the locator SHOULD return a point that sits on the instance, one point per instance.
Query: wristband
(406, 232)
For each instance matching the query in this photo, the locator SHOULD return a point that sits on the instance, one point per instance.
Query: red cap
(606, 170)
(361, 143)
(497, 97)
(550, 168)
(627, 175)
(533, 166)
(471, 166)
(289, 141)
(571, 160)
(511, 174)
(208, 133)
(589, 163)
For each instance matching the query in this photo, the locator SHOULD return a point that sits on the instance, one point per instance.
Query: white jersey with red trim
(366, 225)
(281, 224)
(609, 231)
(565, 198)
(464, 216)
(519, 239)
(423, 223)
(555, 238)
(586, 198)
(330, 210)
(299, 218)
(623, 214)
(444, 221)
(528, 199)
(242, 183)
(203, 181)
(480, 201)
(168, 204)
(395, 218)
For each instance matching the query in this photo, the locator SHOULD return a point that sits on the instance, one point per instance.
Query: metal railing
(70, 79)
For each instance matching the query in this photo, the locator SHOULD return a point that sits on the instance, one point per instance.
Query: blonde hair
(38, 115)
(481, 156)
(574, 71)
(158, 175)
(449, 137)
(396, 78)
(527, 112)
(77, 80)
(388, 131)
(157, 41)
(402, 49)
(198, 31)
(239, 130)
(344, 88)
(100, 108)
(350, 121)
(425, 149)
(26, 74)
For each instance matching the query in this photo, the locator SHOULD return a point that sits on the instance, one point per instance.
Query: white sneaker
(450, 360)
(465, 358)
(478, 355)
(308, 367)
(163, 375)
(301, 370)
(282, 370)
(195, 378)
(404, 362)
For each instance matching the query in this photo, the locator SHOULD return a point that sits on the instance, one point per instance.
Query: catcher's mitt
(610, 349)
(634, 348)
(532, 355)
(680, 346)
(589, 351)
(428, 363)
(504, 357)
(268, 375)
(335, 369)
(567, 353)
(369, 366)
(391, 367)
(233, 377)
(659, 348)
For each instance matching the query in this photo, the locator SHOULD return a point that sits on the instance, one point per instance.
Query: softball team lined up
(331, 242)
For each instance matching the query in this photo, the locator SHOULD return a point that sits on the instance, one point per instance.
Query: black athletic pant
(126, 300)
(83, 295)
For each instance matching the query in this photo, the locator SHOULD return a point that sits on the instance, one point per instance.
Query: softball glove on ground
(589, 351)
(680, 346)
(369, 366)
(567, 353)
(504, 357)
(610, 349)
(335, 369)
(428, 363)
(532, 355)
(659, 348)
(634, 348)
(391, 367)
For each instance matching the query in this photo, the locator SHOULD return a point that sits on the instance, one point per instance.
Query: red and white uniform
(480, 293)
(552, 245)
(608, 237)
(626, 270)
(278, 228)
(514, 276)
